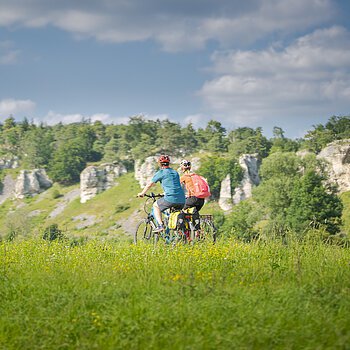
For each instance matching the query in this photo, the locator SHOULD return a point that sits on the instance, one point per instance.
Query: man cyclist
(174, 196)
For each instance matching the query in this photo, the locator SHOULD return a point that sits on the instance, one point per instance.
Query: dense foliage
(293, 194)
(65, 149)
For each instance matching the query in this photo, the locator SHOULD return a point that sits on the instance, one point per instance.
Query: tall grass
(225, 296)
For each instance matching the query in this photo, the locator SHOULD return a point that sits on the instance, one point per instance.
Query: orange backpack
(201, 187)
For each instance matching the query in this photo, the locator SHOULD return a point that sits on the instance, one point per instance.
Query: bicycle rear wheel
(208, 232)
(143, 232)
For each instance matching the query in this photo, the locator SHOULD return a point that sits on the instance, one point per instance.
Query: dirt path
(67, 198)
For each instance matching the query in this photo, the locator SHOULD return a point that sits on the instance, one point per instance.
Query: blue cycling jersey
(170, 181)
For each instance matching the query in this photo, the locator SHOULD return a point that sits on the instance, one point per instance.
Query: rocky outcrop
(31, 182)
(337, 155)
(250, 167)
(96, 179)
(225, 200)
(145, 170)
(7, 189)
(9, 163)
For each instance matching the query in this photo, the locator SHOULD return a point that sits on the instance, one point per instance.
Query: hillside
(112, 214)
(103, 215)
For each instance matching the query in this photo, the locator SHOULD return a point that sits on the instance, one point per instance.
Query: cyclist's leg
(196, 217)
(157, 213)
(190, 202)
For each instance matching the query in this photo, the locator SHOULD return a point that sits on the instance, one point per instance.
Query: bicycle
(144, 229)
(207, 231)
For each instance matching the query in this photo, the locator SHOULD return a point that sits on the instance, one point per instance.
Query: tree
(37, 147)
(279, 143)
(169, 137)
(10, 136)
(336, 128)
(111, 150)
(144, 147)
(318, 138)
(101, 139)
(247, 140)
(9, 123)
(67, 163)
(293, 193)
(314, 204)
(189, 139)
(215, 169)
(339, 127)
(241, 221)
(213, 137)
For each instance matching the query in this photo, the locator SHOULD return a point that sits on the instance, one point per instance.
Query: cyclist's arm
(146, 188)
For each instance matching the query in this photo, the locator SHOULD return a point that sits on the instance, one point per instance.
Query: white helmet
(185, 163)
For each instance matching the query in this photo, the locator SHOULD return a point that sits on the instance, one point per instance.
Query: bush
(56, 194)
(241, 222)
(52, 233)
(121, 207)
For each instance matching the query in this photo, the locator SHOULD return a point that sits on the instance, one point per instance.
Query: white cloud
(12, 106)
(197, 120)
(52, 118)
(176, 25)
(155, 116)
(309, 77)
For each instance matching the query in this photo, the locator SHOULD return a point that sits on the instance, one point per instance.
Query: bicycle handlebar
(154, 196)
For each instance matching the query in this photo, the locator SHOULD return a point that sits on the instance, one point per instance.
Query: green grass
(345, 197)
(105, 295)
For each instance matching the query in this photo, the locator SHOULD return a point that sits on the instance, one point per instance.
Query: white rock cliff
(31, 183)
(96, 179)
(337, 154)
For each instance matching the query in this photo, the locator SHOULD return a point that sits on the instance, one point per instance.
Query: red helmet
(164, 158)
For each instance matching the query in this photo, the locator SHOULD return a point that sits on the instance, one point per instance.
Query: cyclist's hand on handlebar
(140, 195)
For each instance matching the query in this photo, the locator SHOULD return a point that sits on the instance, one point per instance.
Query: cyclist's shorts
(194, 202)
(163, 204)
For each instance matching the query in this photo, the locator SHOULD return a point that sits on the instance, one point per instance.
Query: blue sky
(245, 63)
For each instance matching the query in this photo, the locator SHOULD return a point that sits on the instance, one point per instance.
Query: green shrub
(56, 194)
(121, 207)
(52, 233)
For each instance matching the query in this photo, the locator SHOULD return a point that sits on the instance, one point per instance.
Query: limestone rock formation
(250, 166)
(337, 154)
(7, 189)
(9, 163)
(225, 200)
(31, 183)
(145, 171)
(96, 179)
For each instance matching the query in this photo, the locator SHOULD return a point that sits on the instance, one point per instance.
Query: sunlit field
(105, 295)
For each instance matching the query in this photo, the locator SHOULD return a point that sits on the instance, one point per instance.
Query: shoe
(159, 228)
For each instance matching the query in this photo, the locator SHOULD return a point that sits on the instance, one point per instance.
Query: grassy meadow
(115, 295)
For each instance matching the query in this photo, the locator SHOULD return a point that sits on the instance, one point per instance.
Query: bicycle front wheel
(143, 232)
